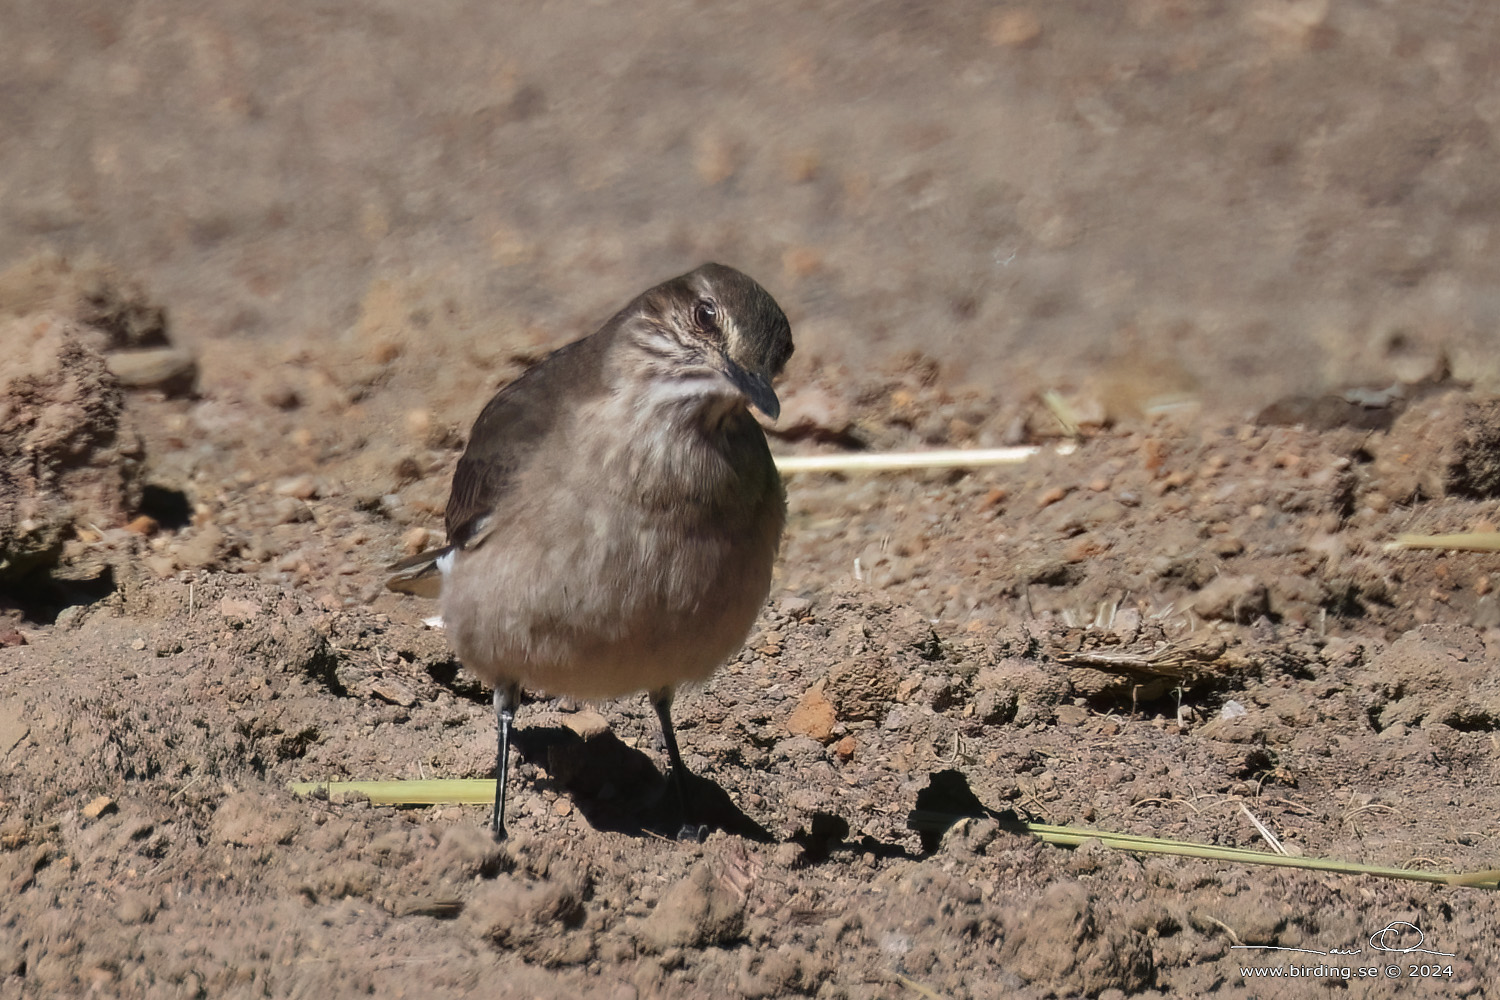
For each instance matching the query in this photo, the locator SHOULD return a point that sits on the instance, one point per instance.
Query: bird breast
(630, 562)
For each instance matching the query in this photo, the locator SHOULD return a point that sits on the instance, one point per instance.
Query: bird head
(714, 333)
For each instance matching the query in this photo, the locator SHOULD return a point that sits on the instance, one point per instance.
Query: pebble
(1072, 715)
(1082, 548)
(1051, 496)
(795, 607)
(240, 608)
(136, 908)
(1236, 598)
(814, 716)
(99, 806)
(701, 910)
(587, 723)
(288, 510)
(992, 499)
(1014, 29)
(143, 525)
(300, 487)
(168, 369)
(202, 549)
(414, 540)
(393, 691)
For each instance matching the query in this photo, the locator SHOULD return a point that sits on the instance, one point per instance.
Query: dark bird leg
(507, 700)
(661, 700)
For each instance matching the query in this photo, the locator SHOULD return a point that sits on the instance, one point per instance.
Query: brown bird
(615, 517)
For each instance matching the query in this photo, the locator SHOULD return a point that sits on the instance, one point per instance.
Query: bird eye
(706, 315)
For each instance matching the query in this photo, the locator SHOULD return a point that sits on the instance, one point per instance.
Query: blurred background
(1128, 201)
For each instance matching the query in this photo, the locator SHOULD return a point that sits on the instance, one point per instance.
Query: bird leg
(661, 700)
(507, 700)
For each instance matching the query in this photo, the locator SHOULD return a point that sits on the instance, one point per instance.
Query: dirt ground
(261, 265)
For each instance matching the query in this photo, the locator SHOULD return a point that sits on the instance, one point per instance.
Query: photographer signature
(1399, 937)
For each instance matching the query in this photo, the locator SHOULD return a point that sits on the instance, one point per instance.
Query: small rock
(203, 549)
(168, 369)
(289, 510)
(254, 820)
(814, 716)
(1014, 29)
(99, 807)
(240, 608)
(143, 525)
(1072, 715)
(1082, 549)
(467, 851)
(137, 908)
(699, 911)
(414, 540)
(862, 688)
(992, 499)
(587, 723)
(795, 607)
(1051, 496)
(393, 691)
(532, 918)
(1232, 598)
(299, 487)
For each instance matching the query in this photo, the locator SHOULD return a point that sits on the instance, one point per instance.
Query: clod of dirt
(1437, 674)
(862, 688)
(533, 918)
(814, 716)
(1448, 445)
(168, 369)
(701, 910)
(1016, 691)
(113, 312)
(68, 454)
(1232, 598)
(251, 819)
(88, 292)
(1327, 413)
(1475, 469)
(1066, 934)
(467, 851)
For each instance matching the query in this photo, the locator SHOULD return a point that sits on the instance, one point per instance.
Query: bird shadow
(619, 789)
(948, 799)
(945, 800)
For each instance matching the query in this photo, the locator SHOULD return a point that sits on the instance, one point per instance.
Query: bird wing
(511, 427)
(418, 575)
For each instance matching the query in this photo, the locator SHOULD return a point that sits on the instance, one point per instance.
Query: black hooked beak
(757, 388)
